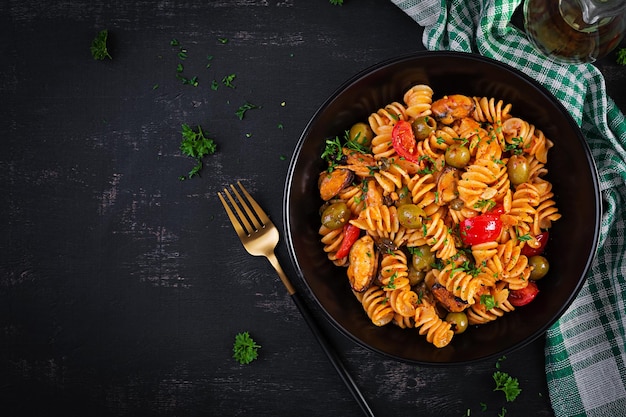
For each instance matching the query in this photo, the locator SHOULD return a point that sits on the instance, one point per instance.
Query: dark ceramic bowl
(571, 170)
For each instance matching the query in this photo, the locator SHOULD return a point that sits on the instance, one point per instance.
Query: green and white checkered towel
(586, 348)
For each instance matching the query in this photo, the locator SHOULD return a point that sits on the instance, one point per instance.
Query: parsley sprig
(245, 349)
(195, 145)
(507, 384)
(99, 49)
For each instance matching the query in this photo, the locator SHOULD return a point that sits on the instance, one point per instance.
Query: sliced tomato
(403, 141)
(350, 235)
(524, 296)
(498, 209)
(480, 229)
(542, 238)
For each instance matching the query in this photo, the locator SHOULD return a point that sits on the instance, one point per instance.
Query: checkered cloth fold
(586, 349)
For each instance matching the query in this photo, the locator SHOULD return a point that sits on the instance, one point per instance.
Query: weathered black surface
(121, 287)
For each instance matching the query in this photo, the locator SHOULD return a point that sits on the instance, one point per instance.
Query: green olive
(540, 267)
(458, 320)
(410, 216)
(361, 133)
(518, 169)
(336, 215)
(423, 258)
(457, 156)
(423, 127)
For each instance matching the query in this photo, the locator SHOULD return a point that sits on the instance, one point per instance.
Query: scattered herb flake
(336, 2)
(488, 301)
(222, 40)
(241, 111)
(98, 48)
(196, 145)
(174, 42)
(214, 85)
(245, 349)
(621, 56)
(228, 80)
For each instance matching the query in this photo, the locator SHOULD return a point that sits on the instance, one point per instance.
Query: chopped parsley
(336, 2)
(99, 49)
(488, 301)
(241, 111)
(228, 80)
(195, 145)
(621, 56)
(245, 349)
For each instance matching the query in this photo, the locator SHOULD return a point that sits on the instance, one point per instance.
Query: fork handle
(332, 354)
(328, 349)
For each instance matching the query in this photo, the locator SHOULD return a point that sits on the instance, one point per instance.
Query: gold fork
(260, 237)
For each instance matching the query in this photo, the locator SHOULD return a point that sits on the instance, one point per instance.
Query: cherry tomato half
(350, 235)
(542, 238)
(524, 296)
(480, 229)
(403, 141)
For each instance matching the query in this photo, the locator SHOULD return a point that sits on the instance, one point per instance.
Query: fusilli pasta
(452, 194)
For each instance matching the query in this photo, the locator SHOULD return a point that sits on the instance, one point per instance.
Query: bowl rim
(470, 57)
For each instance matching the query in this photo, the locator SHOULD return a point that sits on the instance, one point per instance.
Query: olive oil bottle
(575, 31)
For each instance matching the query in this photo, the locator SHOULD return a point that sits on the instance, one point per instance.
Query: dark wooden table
(122, 287)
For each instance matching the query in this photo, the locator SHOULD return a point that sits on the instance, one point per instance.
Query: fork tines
(242, 222)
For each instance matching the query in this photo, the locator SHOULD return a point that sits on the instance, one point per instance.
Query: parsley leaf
(621, 56)
(506, 384)
(241, 111)
(228, 80)
(196, 145)
(336, 2)
(245, 348)
(488, 301)
(98, 48)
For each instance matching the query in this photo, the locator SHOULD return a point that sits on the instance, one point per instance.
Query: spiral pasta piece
(437, 331)
(418, 100)
(379, 221)
(459, 282)
(376, 304)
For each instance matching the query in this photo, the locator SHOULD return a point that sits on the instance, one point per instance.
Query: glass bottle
(575, 31)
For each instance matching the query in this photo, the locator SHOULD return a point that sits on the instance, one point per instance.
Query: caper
(457, 204)
(457, 155)
(540, 267)
(423, 258)
(404, 197)
(415, 277)
(410, 216)
(458, 320)
(336, 215)
(518, 169)
(423, 127)
(361, 133)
